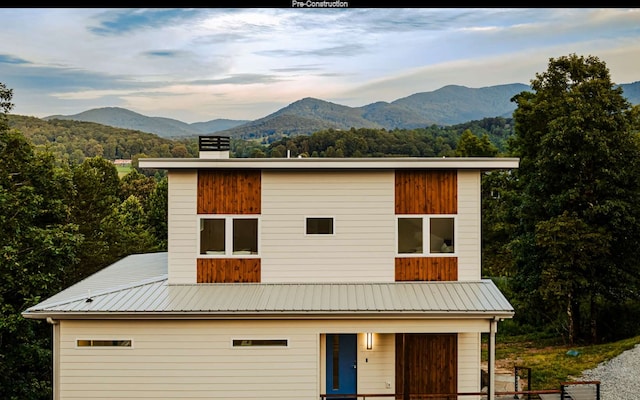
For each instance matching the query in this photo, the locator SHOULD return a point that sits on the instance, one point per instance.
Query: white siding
(376, 367)
(468, 230)
(182, 238)
(191, 359)
(188, 359)
(469, 363)
(362, 247)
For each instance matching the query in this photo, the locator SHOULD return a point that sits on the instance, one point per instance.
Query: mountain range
(449, 105)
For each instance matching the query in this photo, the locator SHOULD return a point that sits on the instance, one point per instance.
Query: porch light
(369, 340)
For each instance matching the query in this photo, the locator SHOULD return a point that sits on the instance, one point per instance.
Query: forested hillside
(76, 140)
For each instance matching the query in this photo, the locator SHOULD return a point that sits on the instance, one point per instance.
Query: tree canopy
(576, 240)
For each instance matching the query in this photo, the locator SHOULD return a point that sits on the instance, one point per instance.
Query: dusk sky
(201, 64)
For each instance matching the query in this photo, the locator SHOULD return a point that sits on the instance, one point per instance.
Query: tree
(137, 184)
(470, 145)
(37, 244)
(97, 188)
(5, 100)
(124, 231)
(578, 224)
(157, 209)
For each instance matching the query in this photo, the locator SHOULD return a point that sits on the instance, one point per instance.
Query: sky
(201, 64)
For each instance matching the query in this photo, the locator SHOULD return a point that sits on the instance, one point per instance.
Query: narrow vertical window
(441, 235)
(410, 235)
(336, 362)
(212, 236)
(245, 236)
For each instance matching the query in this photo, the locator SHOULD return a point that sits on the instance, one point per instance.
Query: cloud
(119, 22)
(242, 63)
(7, 59)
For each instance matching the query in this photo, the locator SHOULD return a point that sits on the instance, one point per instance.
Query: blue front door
(341, 364)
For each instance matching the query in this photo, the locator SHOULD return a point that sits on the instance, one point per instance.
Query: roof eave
(337, 315)
(481, 163)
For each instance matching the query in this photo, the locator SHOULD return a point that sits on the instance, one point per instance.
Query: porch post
(55, 352)
(491, 352)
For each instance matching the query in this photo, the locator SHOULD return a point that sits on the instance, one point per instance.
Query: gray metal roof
(137, 286)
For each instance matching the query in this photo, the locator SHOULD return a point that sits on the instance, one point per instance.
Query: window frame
(228, 228)
(315, 235)
(426, 235)
(91, 346)
(260, 346)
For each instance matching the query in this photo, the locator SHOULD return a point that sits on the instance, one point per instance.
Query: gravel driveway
(619, 377)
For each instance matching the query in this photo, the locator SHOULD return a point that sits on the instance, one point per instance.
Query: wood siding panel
(426, 269)
(426, 192)
(228, 270)
(229, 192)
(426, 364)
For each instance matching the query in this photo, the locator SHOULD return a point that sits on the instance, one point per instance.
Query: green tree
(125, 232)
(134, 183)
(6, 95)
(157, 210)
(469, 145)
(37, 243)
(576, 137)
(97, 187)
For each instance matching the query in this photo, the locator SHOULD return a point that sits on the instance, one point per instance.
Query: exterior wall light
(369, 340)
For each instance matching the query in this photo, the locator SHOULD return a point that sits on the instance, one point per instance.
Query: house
(291, 278)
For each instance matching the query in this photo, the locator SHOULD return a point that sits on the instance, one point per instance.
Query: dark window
(319, 226)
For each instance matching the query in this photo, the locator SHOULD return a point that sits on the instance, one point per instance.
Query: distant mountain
(302, 117)
(454, 104)
(163, 127)
(446, 106)
(390, 116)
(449, 105)
(632, 92)
(277, 126)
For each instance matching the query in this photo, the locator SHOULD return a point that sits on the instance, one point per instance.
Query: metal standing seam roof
(137, 285)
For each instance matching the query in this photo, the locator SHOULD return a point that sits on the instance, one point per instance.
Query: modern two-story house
(291, 279)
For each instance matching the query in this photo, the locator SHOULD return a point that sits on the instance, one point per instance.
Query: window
(319, 226)
(226, 235)
(103, 343)
(260, 342)
(426, 234)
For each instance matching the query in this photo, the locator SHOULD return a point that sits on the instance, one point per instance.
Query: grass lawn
(123, 170)
(549, 361)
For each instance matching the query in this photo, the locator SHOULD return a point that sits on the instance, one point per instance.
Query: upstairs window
(228, 236)
(423, 235)
(319, 226)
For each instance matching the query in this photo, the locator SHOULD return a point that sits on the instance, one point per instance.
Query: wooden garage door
(426, 364)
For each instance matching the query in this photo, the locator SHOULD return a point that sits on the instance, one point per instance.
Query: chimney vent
(213, 146)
